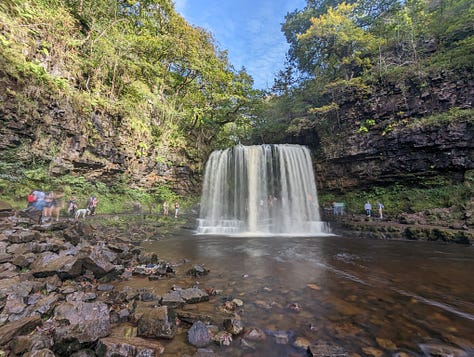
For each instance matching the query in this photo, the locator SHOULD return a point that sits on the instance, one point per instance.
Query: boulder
(193, 295)
(19, 327)
(83, 322)
(199, 335)
(131, 346)
(47, 264)
(157, 322)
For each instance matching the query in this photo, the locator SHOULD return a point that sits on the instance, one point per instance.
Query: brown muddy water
(367, 297)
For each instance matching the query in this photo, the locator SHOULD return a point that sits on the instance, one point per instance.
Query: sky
(250, 30)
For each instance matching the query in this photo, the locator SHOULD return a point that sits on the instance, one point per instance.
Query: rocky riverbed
(439, 225)
(81, 288)
(75, 288)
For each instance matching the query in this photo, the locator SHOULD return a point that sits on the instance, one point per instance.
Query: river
(369, 297)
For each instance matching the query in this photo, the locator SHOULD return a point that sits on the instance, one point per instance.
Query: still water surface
(370, 297)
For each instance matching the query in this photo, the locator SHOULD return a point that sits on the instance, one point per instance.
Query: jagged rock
(84, 353)
(81, 296)
(97, 259)
(24, 260)
(5, 257)
(23, 236)
(234, 326)
(197, 270)
(131, 346)
(47, 264)
(45, 305)
(199, 335)
(8, 271)
(172, 299)
(18, 288)
(45, 352)
(81, 321)
(442, 350)
(19, 327)
(254, 334)
(193, 295)
(157, 322)
(324, 350)
(29, 343)
(14, 306)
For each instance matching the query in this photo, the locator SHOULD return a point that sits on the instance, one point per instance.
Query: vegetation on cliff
(126, 99)
(111, 93)
(382, 93)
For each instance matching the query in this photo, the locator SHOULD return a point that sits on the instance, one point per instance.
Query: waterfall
(260, 190)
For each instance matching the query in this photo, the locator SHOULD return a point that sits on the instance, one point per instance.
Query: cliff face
(386, 136)
(34, 127)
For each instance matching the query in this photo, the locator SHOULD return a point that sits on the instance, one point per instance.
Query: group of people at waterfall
(49, 204)
(166, 209)
(338, 208)
(368, 209)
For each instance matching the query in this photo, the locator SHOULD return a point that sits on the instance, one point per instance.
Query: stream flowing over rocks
(76, 288)
(58, 295)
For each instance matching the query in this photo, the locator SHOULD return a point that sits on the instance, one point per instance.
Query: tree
(340, 48)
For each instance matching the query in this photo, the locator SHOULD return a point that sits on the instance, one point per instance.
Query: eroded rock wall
(399, 145)
(35, 127)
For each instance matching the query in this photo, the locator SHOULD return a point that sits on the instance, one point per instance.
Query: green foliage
(340, 47)
(431, 193)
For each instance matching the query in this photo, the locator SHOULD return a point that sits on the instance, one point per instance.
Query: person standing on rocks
(92, 205)
(380, 208)
(368, 209)
(176, 210)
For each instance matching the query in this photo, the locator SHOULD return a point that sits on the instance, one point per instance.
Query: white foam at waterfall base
(260, 191)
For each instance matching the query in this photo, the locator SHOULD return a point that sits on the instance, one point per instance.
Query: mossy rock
(5, 206)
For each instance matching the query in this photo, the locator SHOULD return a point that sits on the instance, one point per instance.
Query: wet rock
(16, 328)
(23, 260)
(5, 257)
(157, 322)
(199, 335)
(302, 343)
(281, 337)
(105, 287)
(81, 321)
(197, 270)
(372, 351)
(8, 271)
(47, 264)
(81, 296)
(13, 306)
(172, 299)
(45, 305)
(45, 352)
(254, 334)
(223, 338)
(84, 353)
(442, 350)
(324, 350)
(145, 295)
(32, 342)
(131, 346)
(23, 236)
(233, 326)
(194, 295)
(97, 259)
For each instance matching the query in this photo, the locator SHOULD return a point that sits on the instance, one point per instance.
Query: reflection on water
(365, 296)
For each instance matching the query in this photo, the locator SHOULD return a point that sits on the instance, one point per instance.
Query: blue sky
(249, 29)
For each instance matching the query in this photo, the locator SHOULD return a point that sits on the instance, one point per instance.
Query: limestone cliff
(399, 131)
(38, 128)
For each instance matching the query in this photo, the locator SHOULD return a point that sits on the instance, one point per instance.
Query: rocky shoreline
(405, 227)
(64, 291)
